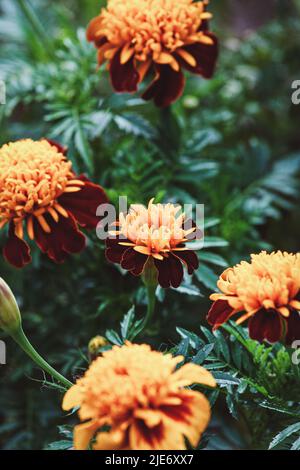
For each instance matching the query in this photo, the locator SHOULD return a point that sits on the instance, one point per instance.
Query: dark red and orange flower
(159, 233)
(267, 290)
(157, 38)
(140, 396)
(41, 198)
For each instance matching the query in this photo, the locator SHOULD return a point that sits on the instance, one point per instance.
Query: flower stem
(38, 28)
(21, 339)
(151, 290)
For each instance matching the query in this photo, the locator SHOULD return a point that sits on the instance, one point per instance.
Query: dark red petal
(166, 88)
(16, 251)
(114, 251)
(170, 271)
(265, 324)
(206, 57)
(62, 149)
(293, 327)
(83, 204)
(124, 77)
(64, 239)
(133, 261)
(219, 313)
(189, 258)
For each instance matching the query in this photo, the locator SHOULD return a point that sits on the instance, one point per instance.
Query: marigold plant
(141, 397)
(154, 37)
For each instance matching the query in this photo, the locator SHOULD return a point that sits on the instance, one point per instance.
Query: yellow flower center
(32, 176)
(154, 231)
(151, 29)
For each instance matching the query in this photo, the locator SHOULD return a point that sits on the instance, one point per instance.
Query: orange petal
(193, 374)
(72, 398)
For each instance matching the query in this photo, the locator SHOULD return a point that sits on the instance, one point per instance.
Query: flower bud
(10, 318)
(97, 343)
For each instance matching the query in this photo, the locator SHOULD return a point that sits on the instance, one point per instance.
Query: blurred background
(232, 143)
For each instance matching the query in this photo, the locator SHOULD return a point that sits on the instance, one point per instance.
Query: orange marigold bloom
(158, 232)
(139, 395)
(42, 198)
(158, 37)
(268, 290)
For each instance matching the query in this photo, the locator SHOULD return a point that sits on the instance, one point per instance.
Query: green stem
(21, 339)
(151, 290)
(39, 29)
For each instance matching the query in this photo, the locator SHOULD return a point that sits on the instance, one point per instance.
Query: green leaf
(203, 354)
(225, 379)
(127, 323)
(284, 434)
(194, 340)
(206, 276)
(212, 258)
(113, 337)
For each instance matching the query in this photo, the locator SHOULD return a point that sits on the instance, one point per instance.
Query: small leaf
(127, 323)
(203, 354)
(113, 337)
(284, 434)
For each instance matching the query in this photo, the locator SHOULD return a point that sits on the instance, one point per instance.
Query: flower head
(159, 37)
(158, 232)
(140, 397)
(42, 198)
(267, 290)
(10, 317)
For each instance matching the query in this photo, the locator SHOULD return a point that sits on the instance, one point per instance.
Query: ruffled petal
(190, 259)
(83, 434)
(205, 55)
(61, 148)
(193, 374)
(293, 327)
(170, 271)
(114, 251)
(191, 417)
(133, 261)
(166, 87)
(112, 440)
(266, 324)
(124, 77)
(72, 398)
(16, 251)
(219, 313)
(64, 239)
(83, 204)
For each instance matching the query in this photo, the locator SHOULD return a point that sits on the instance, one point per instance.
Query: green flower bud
(10, 318)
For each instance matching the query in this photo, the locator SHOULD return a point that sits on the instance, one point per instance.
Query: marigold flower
(43, 198)
(158, 37)
(158, 232)
(139, 395)
(268, 290)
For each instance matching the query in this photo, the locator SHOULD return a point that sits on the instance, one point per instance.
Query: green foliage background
(231, 143)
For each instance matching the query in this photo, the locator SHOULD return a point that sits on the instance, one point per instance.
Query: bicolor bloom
(158, 232)
(267, 291)
(41, 198)
(140, 397)
(158, 38)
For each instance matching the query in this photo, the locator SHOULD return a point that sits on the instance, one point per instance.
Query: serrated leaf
(113, 337)
(284, 434)
(194, 340)
(127, 323)
(203, 354)
(223, 378)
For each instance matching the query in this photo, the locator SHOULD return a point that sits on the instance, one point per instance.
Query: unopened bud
(10, 318)
(97, 343)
